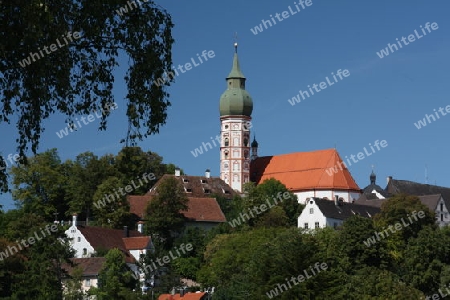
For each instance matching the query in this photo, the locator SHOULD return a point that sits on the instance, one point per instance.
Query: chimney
(141, 227)
(126, 233)
(336, 200)
(389, 179)
(207, 173)
(177, 172)
(74, 220)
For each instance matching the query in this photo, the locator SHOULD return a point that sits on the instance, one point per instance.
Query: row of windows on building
(317, 225)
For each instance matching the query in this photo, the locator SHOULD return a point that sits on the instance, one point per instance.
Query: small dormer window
(188, 190)
(185, 180)
(207, 191)
(203, 181)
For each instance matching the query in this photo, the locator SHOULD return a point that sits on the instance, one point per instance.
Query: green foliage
(115, 279)
(112, 208)
(39, 186)
(73, 285)
(271, 193)
(79, 77)
(165, 219)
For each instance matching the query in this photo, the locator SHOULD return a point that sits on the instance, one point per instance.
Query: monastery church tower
(236, 107)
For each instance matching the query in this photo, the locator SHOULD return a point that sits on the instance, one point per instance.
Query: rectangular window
(311, 210)
(442, 217)
(306, 225)
(87, 282)
(317, 224)
(334, 225)
(442, 206)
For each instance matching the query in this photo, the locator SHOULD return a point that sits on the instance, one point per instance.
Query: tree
(115, 279)
(41, 275)
(39, 186)
(272, 193)
(85, 175)
(111, 208)
(77, 77)
(73, 285)
(164, 214)
(132, 163)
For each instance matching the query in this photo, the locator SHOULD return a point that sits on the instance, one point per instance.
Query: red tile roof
(138, 205)
(137, 243)
(91, 266)
(302, 171)
(204, 209)
(199, 208)
(187, 296)
(107, 238)
(199, 186)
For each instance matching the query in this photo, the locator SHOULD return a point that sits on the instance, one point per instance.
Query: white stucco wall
(79, 242)
(330, 194)
(316, 216)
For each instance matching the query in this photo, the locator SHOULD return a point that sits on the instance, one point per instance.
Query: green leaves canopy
(78, 77)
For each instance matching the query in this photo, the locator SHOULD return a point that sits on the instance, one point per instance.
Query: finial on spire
(235, 42)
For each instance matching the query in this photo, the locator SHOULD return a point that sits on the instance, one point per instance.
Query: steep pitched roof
(370, 200)
(137, 243)
(138, 205)
(418, 189)
(302, 171)
(204, 209)
(91, 266)
(187, 296)
(107, 238)
(414, 188)
(199, 208)
(431, 201)
(344, 210)
(199, 186)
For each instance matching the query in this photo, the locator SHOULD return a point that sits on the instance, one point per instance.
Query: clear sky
(381, 99)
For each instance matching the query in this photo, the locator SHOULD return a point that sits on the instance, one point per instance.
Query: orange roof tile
(187, 296)
(301, 171)
(199, 209)
(137, 243)
(204, 209)
(138, 204)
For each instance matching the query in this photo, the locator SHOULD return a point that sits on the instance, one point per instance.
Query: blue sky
(380, 100)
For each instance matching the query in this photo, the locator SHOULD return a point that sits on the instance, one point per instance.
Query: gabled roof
(137, 243)
(418, 189)
(200, 209)
(370, 200)
(431, 201)
(302, 171)
(102, 238)
(187, 296)
(199, 186)
(204, 209)
(414, 188)
(344, 210)
(91, 266)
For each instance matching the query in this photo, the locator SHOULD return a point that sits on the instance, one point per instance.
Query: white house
(320, 213)
(88, 240)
